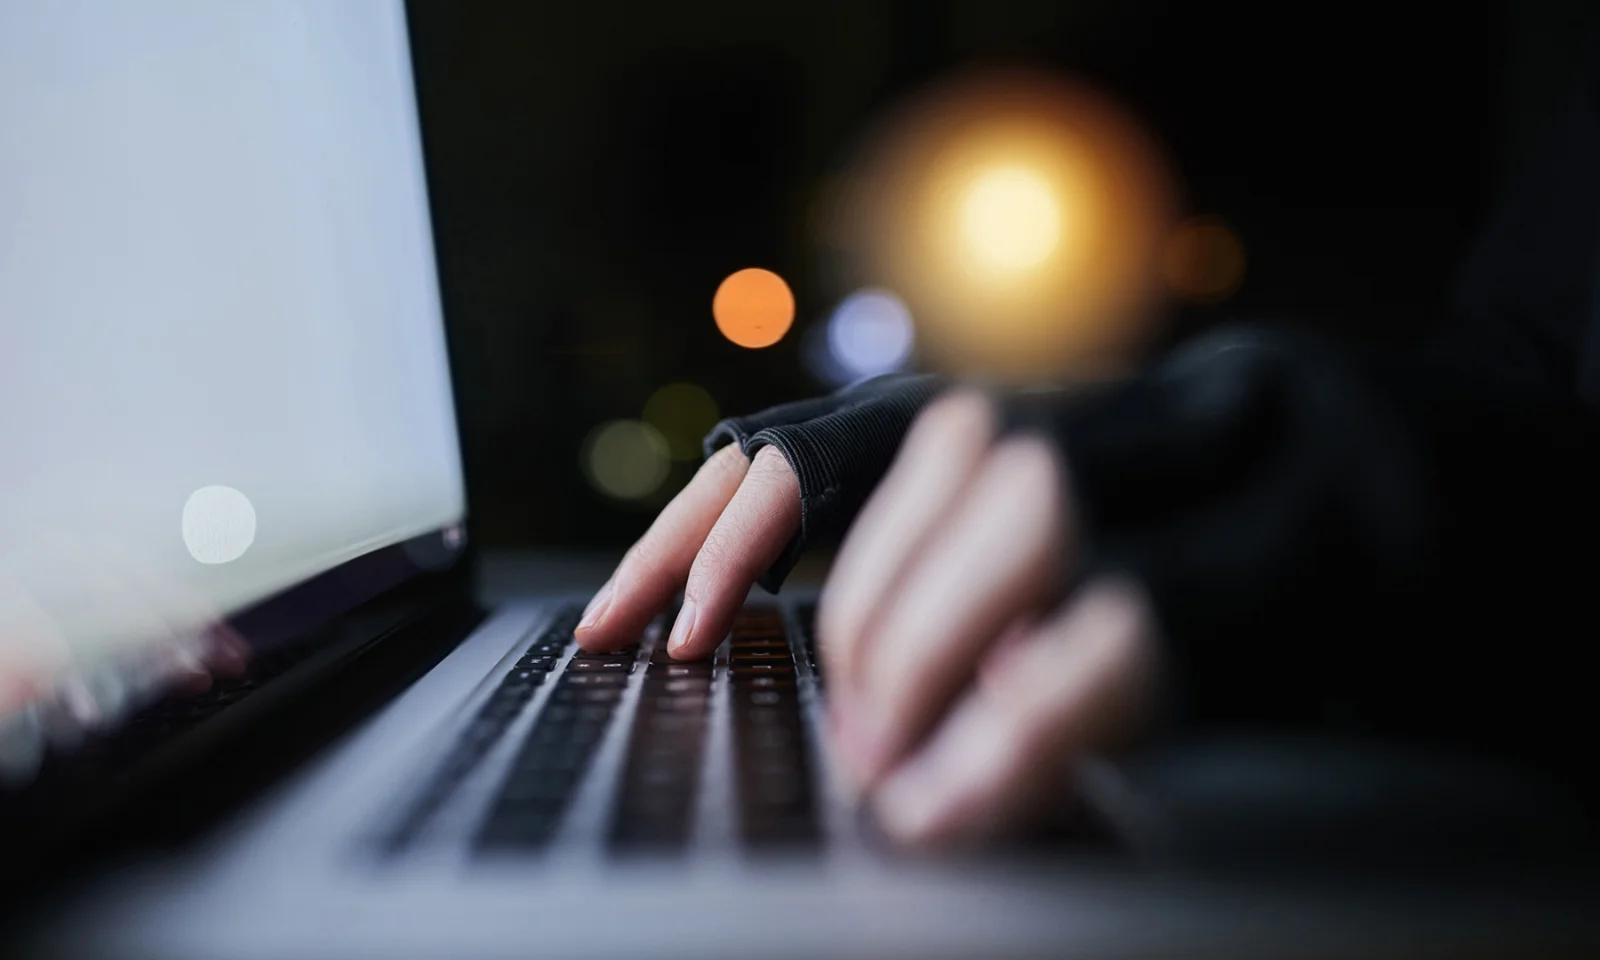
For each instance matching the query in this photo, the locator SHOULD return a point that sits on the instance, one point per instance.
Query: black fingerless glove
(839, 447)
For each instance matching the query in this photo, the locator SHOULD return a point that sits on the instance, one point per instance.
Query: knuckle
(964, 416)
(720, 560)
(770, 461)
(1021, 734)
(1119, 610)
(1026, 465)
(721, 546)
(1024, 476)
(727, 460)
(643, 556)
(770, 473)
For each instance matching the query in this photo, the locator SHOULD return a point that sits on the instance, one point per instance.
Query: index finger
(658, 564)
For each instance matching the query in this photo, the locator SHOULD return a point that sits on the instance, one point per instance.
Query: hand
(713, 540)
(959, 695)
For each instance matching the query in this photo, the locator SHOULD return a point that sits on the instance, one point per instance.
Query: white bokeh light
(1009, 219)
(219, 524)
(869, 334)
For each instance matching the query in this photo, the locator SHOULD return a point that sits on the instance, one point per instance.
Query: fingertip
(859, 744)
(597, 606)
(591, 633)
(921, 808)
(589, 640)
(907, 815)
(601, 637)
(681, 642)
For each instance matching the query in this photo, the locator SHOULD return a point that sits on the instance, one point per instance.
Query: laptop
(227, 410)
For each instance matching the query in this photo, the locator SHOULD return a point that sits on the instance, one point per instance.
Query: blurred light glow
(1203, 261)
(870, 333)
(753, 307)
(1021, 216)
(219, 524)
(625, 459)
(1009, 219)
(683, 413)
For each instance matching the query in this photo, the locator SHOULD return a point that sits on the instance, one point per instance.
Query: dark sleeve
(839, 446)
(1388, 537)
(1403, 539)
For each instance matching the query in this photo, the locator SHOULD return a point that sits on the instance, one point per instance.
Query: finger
(747, 538)
(995, 559)
(940, 454)
(655, 568)
(1082, 683)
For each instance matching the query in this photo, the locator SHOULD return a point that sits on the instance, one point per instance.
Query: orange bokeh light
(753, 307)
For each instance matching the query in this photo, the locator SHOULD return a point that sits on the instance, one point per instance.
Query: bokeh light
(1021, 216)
(625, 459)
(683, 413)
(753, 307)
(219, 524)
(870, 333)
(1009, 219)
(1203, 261)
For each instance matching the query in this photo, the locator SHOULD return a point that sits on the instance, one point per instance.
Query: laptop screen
(222, 365)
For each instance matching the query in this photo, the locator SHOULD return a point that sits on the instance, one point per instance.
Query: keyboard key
(601, 666)
(594, 680)
(556, 755)
(626, 653)
(523, 676)
(688, 670)
(536, 784)
(755, 657)
(657, 685)
(766, 681)
(746, 672)
(568, 693)
(771, 643)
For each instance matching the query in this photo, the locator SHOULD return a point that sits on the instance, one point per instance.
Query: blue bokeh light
(870, 333)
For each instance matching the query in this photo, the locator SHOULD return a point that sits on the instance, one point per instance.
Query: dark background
(598, 167)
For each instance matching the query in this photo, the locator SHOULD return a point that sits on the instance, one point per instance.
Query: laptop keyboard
(661, 772)
(554, 756)
(773, 778)
(665, 745)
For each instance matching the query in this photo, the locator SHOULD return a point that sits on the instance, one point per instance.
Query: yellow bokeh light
(682, 413)
(625, 459)
(1021, 217)
(1009, 219)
